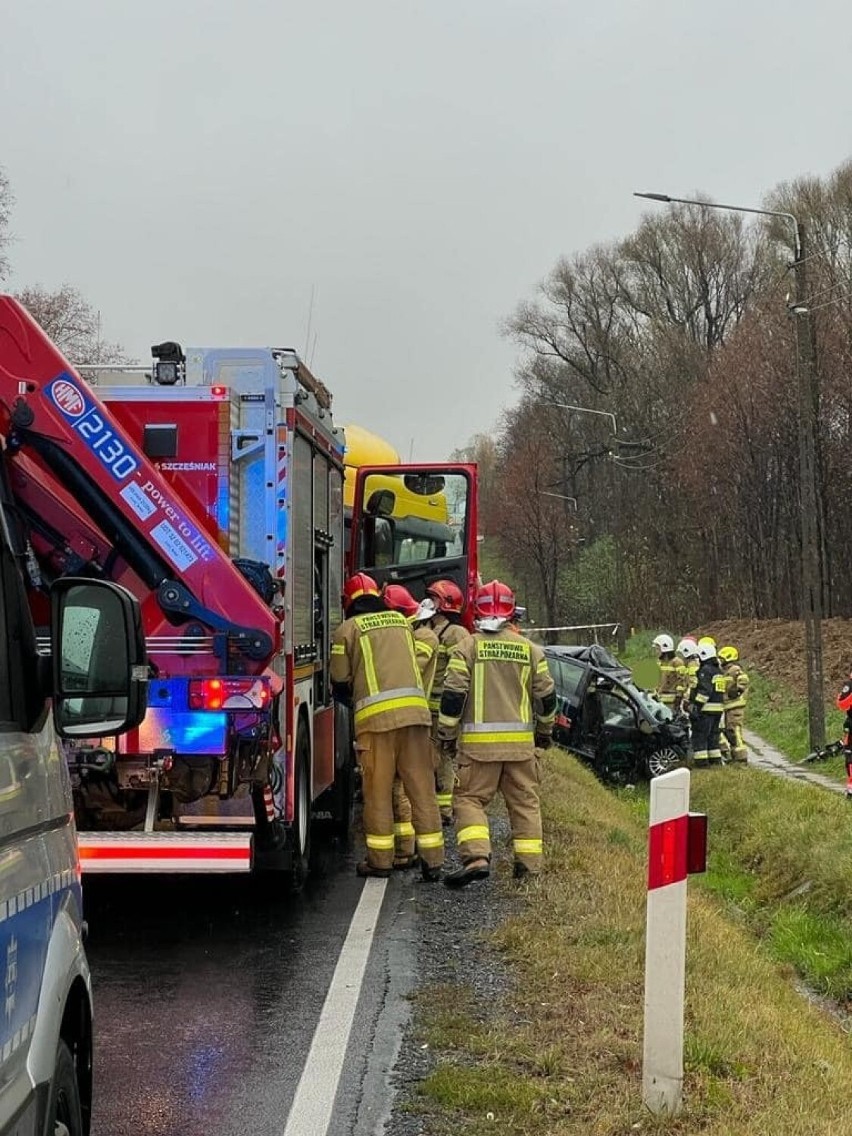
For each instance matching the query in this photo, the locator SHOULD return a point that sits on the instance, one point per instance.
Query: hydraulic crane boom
(92, 498)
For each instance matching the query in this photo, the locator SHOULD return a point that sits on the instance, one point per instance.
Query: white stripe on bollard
(665, 942)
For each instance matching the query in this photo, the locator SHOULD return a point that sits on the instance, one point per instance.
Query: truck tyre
(299, 840)
(336, 806)
(64, 1112)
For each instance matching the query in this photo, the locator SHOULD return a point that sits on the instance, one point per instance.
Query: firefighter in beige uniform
(446, 623)
(499, 702)
(736, 693)
(398, 598)
(373, 665)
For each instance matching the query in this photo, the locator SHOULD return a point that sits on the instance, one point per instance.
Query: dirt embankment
(776, 649)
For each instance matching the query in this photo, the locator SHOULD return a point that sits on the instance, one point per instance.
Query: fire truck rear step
(181, 852)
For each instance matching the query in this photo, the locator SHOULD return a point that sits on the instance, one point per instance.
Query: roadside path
(765, 756)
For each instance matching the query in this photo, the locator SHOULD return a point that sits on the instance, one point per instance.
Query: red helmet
(494, 601)
(359, 585)
(447, 595)
(400, 599)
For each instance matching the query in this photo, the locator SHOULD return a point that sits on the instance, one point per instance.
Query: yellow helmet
(729, 654)
(706, 641)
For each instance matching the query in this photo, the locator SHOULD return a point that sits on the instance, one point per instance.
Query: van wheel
(64, 1112)
(300, 832)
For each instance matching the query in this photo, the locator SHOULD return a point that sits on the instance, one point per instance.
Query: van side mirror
(100, 669)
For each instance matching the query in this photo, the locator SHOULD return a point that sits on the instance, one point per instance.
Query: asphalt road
(208, 992)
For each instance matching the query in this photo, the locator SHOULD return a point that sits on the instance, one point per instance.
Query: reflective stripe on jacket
(708, 694)
(503, 679)
(426, 647)
(673, 681)
(736, 686)
(375, 654)
(449, 636)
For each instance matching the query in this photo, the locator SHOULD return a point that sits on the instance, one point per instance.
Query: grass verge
(562, 1055)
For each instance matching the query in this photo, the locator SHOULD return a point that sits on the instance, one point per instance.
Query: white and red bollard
(677, 846)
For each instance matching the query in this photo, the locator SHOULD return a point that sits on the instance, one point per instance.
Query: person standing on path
(374, 669)
(498, 705)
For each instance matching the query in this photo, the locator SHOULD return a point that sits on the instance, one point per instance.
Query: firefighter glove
(543, 740)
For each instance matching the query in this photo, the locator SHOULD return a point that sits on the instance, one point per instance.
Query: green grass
(781, 719)
(561, 1055)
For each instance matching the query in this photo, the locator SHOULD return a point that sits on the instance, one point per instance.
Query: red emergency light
(229, 694)
(219, 392)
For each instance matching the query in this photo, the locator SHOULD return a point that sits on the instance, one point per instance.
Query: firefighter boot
(467, 873)
(366, 870)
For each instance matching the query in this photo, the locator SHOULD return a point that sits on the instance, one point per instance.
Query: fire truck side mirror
(100, 669)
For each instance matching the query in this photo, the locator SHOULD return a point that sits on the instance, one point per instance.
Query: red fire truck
(211, 485)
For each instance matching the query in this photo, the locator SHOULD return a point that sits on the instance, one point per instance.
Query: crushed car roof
(593, 656)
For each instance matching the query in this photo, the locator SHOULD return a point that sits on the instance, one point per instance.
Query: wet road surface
(208, 992)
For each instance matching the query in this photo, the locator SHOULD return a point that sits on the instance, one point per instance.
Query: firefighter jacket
(672, 688)
(690, 674)
(736, 686)
(449, 635)
(708, 694)
(426, 647)
(844, 703)
(498, 694)
(374, 655)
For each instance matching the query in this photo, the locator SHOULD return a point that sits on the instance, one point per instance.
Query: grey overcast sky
(198, 167)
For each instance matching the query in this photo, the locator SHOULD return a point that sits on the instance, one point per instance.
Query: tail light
(229, 694)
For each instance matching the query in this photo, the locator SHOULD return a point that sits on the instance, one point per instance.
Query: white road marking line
(310, 1113)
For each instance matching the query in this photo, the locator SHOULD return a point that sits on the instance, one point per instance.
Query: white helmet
(706, 651)
(664, 643)
(687, 648)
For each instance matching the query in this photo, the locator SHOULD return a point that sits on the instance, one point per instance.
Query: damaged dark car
(623, 732)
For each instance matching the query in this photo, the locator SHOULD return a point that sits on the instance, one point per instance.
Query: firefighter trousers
(445, 773)
(733, 731)
(383, 756)
(477, 782)
(705, 737)
(403, 829)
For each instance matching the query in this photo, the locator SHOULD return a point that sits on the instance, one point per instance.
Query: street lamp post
(561, 496)
(809, 489)
(589, 410)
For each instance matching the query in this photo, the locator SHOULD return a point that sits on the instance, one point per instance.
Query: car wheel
(663, 761)
(65, 1116)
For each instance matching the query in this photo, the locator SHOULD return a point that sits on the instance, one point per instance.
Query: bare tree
(72, 323)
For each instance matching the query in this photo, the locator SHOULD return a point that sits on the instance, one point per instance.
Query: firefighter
(447, 625)
(687, 651)
(844, 703)
(672, 688)
(736, 691)
(499, 703)
(398, 598)
(373, 668)
(706, 702)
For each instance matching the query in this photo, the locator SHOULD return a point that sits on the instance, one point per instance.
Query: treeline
(687, 505)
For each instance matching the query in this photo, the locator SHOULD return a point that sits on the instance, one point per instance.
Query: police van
(95, 676)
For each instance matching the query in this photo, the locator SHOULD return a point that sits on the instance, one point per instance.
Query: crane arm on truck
(85, 482)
